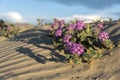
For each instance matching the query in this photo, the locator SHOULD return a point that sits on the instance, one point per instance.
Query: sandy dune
(30, 56)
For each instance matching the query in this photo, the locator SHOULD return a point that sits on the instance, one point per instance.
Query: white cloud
(12, 17)
(86, 18)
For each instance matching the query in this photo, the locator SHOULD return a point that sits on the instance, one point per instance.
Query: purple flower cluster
(77, 49)
(79, 25)
(100, 25)
(71, 27)
(58, 24)
(74, 48)
(103, 36)
(58, 32)
(67, 38)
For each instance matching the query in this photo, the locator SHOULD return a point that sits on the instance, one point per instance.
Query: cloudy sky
(30, 10)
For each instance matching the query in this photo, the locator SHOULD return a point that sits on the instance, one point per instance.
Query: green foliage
(6, 30)
(108, 44)
(14, 30)
(91, 54)
(74, 58)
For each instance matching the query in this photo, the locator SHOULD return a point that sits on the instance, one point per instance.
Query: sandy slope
(30, 56)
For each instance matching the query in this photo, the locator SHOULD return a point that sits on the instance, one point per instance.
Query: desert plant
(14, 30)
(3, 28)
(80, 41)
(40, 23)
(7, 30)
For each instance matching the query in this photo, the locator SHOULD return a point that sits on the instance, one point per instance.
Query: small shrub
(80, 41)
(6, 30)
(14, 30)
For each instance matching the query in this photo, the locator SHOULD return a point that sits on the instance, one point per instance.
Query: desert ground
(30, 56)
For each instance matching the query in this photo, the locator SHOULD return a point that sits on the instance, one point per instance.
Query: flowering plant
(6, 30)
(80, 41)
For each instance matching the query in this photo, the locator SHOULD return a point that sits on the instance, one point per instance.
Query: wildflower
(68, 45)
(100, 25)
(58, 23)
(77, 49)
(74, 48)
(70, 27)
(58, 32)
(103, 36)
(67, 38)
(55, 25)
(79, 25)
(61, 24)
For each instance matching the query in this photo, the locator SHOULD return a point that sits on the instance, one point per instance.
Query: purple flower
(79, 25)
(70, 27)
(103, 36)
(67, 38)
(61, 23)
(58, 32)
(100, 25)
(74, 48)
(77, 49)
(58, 23)
(68, 45)
(55, 25)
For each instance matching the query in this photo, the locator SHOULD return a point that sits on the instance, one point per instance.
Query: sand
(2, 38)
(30, 56)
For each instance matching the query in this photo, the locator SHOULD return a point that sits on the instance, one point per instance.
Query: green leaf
(83, 38)
(87, 56)
(93, 52)
(88, 29)
(75, 58)
(108, 44)
(78, 35)
(90, 42)
(67, 55)
(60, 39)
(73, 39)
(90, 48)
(99, 55)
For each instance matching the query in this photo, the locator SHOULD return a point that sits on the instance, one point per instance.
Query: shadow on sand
(38, 37)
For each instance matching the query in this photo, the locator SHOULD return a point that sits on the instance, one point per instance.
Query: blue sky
(30, 10)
